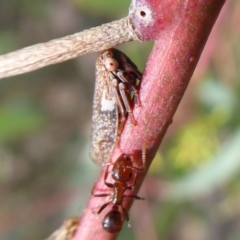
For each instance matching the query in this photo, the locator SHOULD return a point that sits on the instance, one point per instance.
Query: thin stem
(169, 68)
(62, 49)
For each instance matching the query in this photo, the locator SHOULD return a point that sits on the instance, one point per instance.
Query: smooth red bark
(180, 29)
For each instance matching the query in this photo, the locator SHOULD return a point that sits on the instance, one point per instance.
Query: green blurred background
(46, 175)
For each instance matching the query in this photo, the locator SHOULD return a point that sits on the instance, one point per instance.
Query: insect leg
(110, 185)
(122, 90)
(101, 195)
(121, 76)
(126, 215)
(120, 105)
(135, 197)
(102, 207)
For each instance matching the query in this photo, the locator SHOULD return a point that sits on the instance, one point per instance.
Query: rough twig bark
(59, 50)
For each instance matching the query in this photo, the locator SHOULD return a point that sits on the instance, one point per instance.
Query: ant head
(113, 221)
(122, 170)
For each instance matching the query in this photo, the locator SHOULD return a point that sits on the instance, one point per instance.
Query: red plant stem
(178, 46)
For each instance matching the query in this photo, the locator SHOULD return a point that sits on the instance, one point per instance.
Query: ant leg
(101, 208)
(126, 216)
(104, 205)
(135, 181)
(101, 195)
(110, 185)
(135, 197)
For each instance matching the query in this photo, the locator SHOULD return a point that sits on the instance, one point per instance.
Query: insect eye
(111, 64)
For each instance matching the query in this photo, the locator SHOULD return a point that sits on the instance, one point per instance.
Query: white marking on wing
(107, 104)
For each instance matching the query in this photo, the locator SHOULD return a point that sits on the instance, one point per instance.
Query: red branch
(180, 29)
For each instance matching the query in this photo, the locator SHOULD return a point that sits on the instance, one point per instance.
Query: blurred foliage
(18, 120)
(106, 8)
(45, 118)
(196, 142)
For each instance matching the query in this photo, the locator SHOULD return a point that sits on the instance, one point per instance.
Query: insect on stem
(124, 176)
(116, 85)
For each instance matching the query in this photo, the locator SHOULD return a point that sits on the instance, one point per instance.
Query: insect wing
(116, 81)
(105, 117)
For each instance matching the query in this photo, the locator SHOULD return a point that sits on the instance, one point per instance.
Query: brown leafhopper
(116, 84)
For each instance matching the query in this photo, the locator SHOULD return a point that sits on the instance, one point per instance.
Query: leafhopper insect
(116, 84)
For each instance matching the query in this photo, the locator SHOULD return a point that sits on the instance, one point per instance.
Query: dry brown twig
(55, 51)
